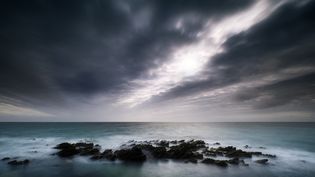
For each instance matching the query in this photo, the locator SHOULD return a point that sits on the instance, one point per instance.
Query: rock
(208, 161)
(66, 150)
(186, 150)
(239, 153)
(159, 152)
(163, 143)
(93, 151)
(69, 152)
(262, 161)
(216, 143)
(134, 154)
(5, 158)
(256, 153)
(226, 149)
(234, 161)
(173, 142)
(269, 155)
(246, 146)
(64, 146)
(82, 148)
(108, 154)
(221, 163)
(17, 162)
(210, 152)
(82, 145)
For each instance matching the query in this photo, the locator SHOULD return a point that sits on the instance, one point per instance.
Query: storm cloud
(94, 58)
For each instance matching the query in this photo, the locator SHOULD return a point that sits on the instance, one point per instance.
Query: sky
(157, 60)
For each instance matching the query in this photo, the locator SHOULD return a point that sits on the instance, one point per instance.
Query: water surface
(293, 143)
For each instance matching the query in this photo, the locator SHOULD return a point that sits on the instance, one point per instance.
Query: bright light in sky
(187, 62)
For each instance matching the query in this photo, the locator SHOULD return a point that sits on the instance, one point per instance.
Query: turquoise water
(293, 143)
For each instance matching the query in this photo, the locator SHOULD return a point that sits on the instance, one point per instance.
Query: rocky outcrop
(192, 151)
(5, 158)
(84, 149)
(19, 162)
(262, 161)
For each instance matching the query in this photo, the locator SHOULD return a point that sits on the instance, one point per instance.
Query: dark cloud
(282, 43)
(298, 91)
(50, 49)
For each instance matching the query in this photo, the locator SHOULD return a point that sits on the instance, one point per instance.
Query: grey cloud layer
(282, 43)
(53, 51)
(49, 48)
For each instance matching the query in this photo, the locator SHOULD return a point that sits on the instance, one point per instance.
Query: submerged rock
(269, 155)
(64, 146)
(262, 161)
(5, 158)
(221, 163)
(19, 162)
(239, 153)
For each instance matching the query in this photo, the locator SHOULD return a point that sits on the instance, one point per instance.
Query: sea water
(293, 143)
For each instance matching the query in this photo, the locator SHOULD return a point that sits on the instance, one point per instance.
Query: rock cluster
(81, 148)
(192, 151)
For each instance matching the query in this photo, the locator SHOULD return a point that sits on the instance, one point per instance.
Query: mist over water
(293, 143)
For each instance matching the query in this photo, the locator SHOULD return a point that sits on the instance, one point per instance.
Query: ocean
(293, 143)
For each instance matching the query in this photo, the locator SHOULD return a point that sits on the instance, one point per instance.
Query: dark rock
(64, 146)
(255, 153)
(262, 161)
(87, 151)
(17, 162)
(82, 145)
(236, 161)
(239, 153)
(5, 158)
(68, 152)
(186, 150)
(208, 161)
(173, 142)
(108, 154)
(246, 146)
(221, 163)
(134, 154)
(82, 148)
(163, 143)
(159, 152)
(216, 143)
(210, 152)
(226, 149)
(269, 155)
